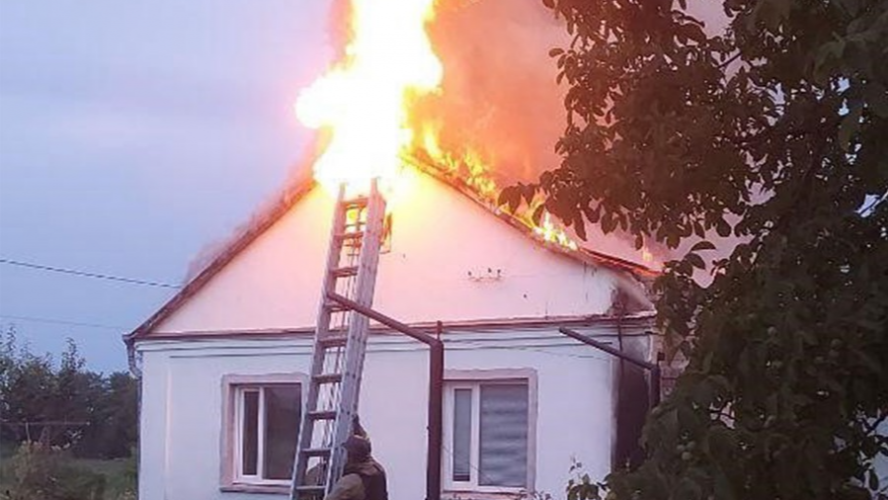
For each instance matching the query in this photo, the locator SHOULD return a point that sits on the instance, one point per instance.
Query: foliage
(771, 132)
(46, 472)
(120, 475)
(95, 415)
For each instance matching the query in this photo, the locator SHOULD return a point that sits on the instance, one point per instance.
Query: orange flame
(473, 169)
(365, 103)
(364, 99)
(551, 233)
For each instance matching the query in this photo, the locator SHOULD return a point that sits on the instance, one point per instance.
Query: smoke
(499, 97)
(498, 101)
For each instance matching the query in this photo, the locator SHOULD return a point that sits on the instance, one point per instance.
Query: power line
(86, 274)
(61, 322)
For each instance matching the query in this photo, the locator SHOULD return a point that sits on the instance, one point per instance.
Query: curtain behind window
(282, 417)
(462, 434)
(503, 441)
(250, 432)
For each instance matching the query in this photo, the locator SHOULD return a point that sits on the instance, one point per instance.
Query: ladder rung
(335, 307)
(343, 272)
(310, 489)
(333, 341)
(360, 201)
(322, 415)
(351, 235)
(328, 378)
(316, 452)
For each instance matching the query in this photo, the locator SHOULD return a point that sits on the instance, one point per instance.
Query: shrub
(40, 471)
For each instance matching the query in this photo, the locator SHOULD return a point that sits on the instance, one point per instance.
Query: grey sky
(131, 135)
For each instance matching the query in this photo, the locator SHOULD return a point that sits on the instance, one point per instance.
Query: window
(263, 414)
(489, 434)
(268, 424)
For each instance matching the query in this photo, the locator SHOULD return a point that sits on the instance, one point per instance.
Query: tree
(27, 390)
(118, 433)
(94, 414)
(774, 132)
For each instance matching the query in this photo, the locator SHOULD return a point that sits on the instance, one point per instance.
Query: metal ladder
(339, 344)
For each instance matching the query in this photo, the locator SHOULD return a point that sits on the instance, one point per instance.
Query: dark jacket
(361, 481)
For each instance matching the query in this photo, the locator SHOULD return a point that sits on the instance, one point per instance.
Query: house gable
(451, 259)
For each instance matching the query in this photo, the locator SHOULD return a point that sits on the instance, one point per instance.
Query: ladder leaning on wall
(339, 344)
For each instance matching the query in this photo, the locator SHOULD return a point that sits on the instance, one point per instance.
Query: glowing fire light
(646, 255)
(364, 100)
(551, 233)
(471, 168)
(364, 103)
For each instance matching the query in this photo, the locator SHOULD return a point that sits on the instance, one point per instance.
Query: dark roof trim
(254, 229)
(583, 254)
(640, 320)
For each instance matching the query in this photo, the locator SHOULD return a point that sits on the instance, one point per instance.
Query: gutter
(134, 368)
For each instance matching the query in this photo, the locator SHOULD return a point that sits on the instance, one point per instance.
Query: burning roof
(300, 186)
(379, 108)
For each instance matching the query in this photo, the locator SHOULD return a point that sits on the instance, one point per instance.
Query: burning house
(226, 364)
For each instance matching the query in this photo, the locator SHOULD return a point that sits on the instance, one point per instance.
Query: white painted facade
(441, 249)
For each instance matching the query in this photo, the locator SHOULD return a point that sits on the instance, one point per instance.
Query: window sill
(469, 494)
(274, 489)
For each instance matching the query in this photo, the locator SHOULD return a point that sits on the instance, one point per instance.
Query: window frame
(231, 439)
(474, 379)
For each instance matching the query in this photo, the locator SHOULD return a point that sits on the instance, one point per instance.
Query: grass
(119, 474)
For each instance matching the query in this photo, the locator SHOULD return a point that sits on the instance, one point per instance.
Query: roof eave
(304, 184)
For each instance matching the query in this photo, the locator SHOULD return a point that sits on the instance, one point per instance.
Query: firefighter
(363, 477)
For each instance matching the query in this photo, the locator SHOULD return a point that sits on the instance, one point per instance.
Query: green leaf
(580, 227)
(696, 260)
(608, 222)
(702, 245)
(722, 228)
(528, 191)
(537, 215)
(672, 240)
(693, 32)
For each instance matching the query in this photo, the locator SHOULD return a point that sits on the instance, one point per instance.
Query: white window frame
(240, 392)
(474, 379)
(233, 389)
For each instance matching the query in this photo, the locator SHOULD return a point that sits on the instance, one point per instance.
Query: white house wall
(181, 405)
(439, 238)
